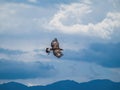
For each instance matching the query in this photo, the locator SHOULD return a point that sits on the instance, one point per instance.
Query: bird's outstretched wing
(57, 53)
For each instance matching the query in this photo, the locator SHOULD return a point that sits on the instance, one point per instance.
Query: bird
(57, 51)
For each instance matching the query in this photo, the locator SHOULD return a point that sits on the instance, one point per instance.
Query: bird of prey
(57, 51)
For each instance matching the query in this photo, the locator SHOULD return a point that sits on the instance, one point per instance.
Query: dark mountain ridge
(66, 85)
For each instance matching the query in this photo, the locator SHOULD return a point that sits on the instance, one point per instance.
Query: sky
(87, 30)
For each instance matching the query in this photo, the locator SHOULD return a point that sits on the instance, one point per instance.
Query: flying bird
(57, 51)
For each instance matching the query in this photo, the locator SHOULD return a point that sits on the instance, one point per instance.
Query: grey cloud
(106, 55)
(10, 69)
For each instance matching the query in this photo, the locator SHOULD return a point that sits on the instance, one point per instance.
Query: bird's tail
(48, 50)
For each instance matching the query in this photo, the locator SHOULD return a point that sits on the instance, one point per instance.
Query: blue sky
(88, 31)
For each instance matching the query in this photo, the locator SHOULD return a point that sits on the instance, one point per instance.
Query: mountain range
(65, 85)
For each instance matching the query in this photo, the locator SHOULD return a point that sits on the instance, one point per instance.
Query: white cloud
(72, 14)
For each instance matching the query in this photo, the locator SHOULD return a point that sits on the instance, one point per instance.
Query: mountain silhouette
(66, 85)
(13, 86)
